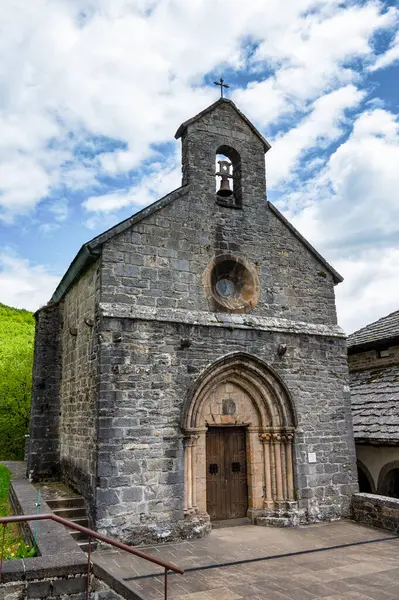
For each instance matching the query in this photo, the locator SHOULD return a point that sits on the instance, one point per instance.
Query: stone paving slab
(367, 571)
(17, 468)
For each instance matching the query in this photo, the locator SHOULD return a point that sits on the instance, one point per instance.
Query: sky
(92, 92)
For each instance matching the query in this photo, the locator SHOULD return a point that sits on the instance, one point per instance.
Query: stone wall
(376, 511)
(43, 458)
(66, 588)
(370, 359)
(146, 375)
(79, 385)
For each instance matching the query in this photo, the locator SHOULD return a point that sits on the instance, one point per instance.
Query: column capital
(190, 439)
(265, 437)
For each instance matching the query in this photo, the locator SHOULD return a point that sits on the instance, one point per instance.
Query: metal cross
(222, 85)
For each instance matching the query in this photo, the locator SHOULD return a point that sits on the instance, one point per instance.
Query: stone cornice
(208, 319)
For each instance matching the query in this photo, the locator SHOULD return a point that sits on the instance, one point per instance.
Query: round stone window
(233, 284)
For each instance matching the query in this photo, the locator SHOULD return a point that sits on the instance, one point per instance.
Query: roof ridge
(384, 328)
(373, 323)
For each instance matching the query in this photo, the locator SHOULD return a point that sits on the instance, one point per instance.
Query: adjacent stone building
(373, 355)
(189, 367)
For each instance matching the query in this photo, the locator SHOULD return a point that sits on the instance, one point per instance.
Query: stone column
(190, 474)
(277, 455)
(266, 437)
(284, 467)
(289, 466)
(194, 439)
(187, 473)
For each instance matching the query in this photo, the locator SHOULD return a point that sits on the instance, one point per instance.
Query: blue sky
(92, 92)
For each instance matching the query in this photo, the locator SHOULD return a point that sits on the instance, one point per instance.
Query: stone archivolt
(257, 399)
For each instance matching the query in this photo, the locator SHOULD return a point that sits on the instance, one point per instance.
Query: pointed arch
(241, 390)
(264, 386)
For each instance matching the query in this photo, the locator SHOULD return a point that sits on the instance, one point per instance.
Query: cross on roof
(222, 85)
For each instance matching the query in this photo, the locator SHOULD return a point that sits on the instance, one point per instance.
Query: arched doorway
(238, 422)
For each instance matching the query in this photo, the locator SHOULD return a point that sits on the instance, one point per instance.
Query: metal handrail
(91, 534)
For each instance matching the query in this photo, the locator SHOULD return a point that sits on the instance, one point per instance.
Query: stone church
(189, 368)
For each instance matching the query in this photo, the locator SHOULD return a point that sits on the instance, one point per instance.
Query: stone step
(230, 523)
(70, 513)
(82, 521)
(79, 535)
(74, 502)
(84, 545)
(58, 587)
(271, 521)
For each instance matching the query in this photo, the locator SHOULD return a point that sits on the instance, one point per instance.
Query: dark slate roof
(208, 109)
(384, 329)
(375, 404)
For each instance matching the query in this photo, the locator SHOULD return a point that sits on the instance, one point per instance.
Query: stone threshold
(237, 321)
(231, 523)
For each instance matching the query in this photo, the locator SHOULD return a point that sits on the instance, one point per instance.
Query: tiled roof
(375, 403)
(383, 329)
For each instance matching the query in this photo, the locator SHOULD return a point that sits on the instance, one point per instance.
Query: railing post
(166, 584)
(88, 570)
(2, 549)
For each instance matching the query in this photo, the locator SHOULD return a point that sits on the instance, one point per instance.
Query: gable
(213, 107)
(217, 121)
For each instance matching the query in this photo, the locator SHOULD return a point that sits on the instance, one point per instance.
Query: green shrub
(14, 546)
(17, 328)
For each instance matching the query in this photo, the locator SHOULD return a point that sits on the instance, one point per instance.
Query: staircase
(74, 510)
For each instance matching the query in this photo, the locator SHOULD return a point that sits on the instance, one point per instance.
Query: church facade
(189, 367)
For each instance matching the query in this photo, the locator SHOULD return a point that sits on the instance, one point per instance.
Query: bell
(224, 190)
(224, 173)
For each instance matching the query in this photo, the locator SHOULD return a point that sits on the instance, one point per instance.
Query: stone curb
(115, 583)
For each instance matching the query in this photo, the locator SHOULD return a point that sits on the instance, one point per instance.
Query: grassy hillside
(17, 328)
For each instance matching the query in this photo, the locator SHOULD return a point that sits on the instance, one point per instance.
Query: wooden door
(226, 473)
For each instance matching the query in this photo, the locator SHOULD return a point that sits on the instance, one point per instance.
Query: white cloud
(370, 289)
(24, 285)
(389, 57)
(161, 180)
(132, 71)
(353, 201)
(350, 212)
(323, 125)
(59, 208)
(311, 54)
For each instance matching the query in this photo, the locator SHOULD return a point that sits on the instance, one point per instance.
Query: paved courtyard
(253, 563)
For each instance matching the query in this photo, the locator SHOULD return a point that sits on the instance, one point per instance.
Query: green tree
(17, 328)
